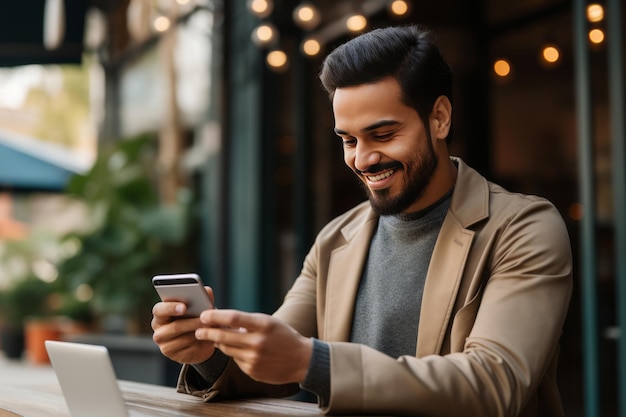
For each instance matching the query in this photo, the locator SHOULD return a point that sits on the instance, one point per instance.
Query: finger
(209, 291)
(239, 354)
(165, 310)
(165, 336)
(174, 329)
(224, 336)
(187, 349)
(234, 319)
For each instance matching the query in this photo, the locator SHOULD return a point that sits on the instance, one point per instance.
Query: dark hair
(407, 53)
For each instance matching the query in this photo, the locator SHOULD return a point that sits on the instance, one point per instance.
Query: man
(444, 295)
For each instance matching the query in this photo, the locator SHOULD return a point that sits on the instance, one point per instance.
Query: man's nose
(366, 156)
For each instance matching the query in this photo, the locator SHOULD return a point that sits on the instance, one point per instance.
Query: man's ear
(441, 118)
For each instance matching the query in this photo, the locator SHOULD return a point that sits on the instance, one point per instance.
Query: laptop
(87, 379)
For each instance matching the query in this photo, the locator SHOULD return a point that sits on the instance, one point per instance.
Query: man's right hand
(176, 336)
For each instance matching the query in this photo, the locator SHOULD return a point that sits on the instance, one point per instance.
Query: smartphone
(185, 288)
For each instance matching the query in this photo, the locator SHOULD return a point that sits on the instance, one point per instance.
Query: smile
(379, 177)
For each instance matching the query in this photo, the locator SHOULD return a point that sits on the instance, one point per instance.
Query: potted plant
(129, 235)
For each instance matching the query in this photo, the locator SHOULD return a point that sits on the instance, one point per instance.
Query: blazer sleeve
(510, 347)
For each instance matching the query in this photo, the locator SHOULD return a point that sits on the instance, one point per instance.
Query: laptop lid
(87, 379)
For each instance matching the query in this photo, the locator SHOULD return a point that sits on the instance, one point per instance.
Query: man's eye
(348, 143)
(382, 136)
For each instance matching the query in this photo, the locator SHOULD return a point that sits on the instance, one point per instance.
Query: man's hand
(265, 348)
(175, 336)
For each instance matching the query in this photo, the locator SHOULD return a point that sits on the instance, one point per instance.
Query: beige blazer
(495, 300)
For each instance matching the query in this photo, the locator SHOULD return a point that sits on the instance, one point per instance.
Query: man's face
(385, 144)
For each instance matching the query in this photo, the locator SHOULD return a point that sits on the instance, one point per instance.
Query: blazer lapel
(345, 270)
(442, 285)
(469, 205)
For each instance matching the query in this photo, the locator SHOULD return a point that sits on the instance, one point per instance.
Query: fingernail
(180, 308)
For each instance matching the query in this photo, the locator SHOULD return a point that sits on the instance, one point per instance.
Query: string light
(264, 35)
(311, 47)
(596, 36)
(399, 7)
(595, 13)
(550, 54)
(306, 16)
(502, 68)
(277, 60)
(260, 8)
(356, 23)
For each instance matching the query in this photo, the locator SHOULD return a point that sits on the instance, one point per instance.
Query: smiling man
(391, 150)
(443, 295)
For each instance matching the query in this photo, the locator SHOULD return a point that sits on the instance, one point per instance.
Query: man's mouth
(379, 176)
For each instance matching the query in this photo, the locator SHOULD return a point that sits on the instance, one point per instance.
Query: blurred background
(141, 137)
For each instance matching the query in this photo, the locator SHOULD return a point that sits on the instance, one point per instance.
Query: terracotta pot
(36, 333)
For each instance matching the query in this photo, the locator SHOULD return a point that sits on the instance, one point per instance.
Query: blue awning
(33, 165)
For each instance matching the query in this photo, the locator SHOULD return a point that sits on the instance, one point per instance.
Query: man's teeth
(379, 177)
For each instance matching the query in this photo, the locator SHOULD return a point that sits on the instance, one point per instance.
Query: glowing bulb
(277, 59)
(260, 8)
(551, 54)
(356, 23)
(502, 68)
(264, 35)
(399, 7)
(306, 16)
(596, 36)
(311, 47)
(595, 12)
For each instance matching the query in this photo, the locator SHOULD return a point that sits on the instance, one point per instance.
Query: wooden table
(37, 399)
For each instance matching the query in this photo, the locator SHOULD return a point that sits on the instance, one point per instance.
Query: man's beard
(418, 174)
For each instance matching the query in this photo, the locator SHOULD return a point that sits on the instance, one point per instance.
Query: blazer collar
(470, 200)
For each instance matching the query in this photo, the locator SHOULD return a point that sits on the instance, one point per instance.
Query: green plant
(129, 235)
(31, 287)
(24, 298)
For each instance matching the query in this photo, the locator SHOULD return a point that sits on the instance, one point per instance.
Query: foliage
(30, 285)
(28, 297)
(128, 233)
